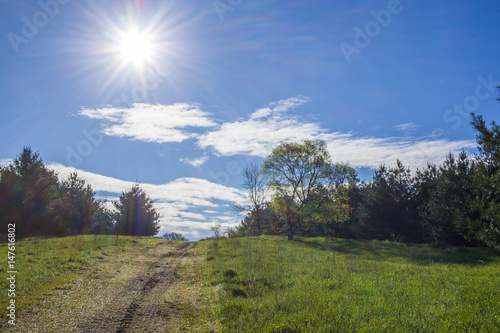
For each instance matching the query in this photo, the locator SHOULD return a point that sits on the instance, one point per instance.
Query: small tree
(255, 184)
(174, 236)
(306, 185)
(216, 229)
(136, 215)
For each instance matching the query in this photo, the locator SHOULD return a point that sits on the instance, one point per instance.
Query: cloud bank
(265, 128)
(259, 132)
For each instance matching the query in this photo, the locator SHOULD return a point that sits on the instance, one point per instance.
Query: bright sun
(135, 47)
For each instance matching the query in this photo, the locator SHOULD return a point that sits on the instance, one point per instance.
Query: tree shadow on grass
(423, 254)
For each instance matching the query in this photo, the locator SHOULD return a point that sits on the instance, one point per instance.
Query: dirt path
(131, 293)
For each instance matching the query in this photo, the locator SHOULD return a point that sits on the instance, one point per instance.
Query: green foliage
(455, 203)
(449, 212)
(217, 230)
(488, 140)
(307, 187)
(174, 236)
(388, 206)
(32, 197)
(79, 203)
(103, 220)
(487, 228)
(340, 285)
(258, 222)
(136, 215)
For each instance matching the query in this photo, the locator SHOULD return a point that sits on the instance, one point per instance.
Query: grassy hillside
(264, 284)
(107, 284)
(316, 285)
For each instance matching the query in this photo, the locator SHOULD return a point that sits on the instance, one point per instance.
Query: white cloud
(256, 137)
(281, 106)
(196, 162)
(266, 128)
(373, 152)
(190, 215)
(5, 161)
(196, 230)
(152, 123)
(182, 203)
(226, 218)
(406, 127)
(263, 130)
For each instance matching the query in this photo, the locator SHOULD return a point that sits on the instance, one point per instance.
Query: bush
(174, 236)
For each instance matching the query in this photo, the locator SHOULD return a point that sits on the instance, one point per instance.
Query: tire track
(143, 311)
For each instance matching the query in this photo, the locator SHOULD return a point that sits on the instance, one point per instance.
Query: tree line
(33, 197)
(297, 190)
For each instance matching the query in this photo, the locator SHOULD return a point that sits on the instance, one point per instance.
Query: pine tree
(136, 215)
(30, 196)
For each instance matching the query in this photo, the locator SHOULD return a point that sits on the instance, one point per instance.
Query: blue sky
(227, 80)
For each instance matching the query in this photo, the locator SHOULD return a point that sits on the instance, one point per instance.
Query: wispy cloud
(276, 108)
(184, 204)
(373, 152)
(267, 127)
(406, 127)
(152, 123)
(259, 134)
(196, 162)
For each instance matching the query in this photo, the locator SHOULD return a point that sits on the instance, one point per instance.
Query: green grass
(45, 265)
(64, 282)
(269, 284)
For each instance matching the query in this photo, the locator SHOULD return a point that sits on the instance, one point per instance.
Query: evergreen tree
(450, 210)
(136, 215)
(80, 205)
(30, 196)
(388, 209)
(103, 220)
(487, 228)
